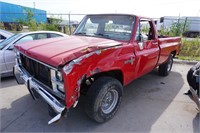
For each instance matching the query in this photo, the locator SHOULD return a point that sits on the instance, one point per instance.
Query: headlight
(59, 76)
(17, 57)
(61, 88)
(57, 81)
(56, 75)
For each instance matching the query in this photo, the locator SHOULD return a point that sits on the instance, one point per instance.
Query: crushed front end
(42, 81)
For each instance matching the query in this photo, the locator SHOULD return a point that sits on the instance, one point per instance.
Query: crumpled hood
(58, 51)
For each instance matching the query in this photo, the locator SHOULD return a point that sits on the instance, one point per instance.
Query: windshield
(8, 41)
(116, 27)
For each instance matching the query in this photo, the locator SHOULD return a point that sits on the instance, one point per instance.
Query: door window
(52, 35)
(42, 36)
(146, 30)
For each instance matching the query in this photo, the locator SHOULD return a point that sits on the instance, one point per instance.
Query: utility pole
(34, 5)
(185, 24)
(177, 25)
(70, 31)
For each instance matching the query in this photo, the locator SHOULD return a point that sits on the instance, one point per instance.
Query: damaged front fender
(68, 68)
(84, 67)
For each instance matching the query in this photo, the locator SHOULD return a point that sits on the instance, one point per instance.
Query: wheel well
(85, 85)
(173, 53)
(117, 74)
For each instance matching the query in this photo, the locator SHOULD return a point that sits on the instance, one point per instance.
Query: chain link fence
(66, 22)
(188, 26)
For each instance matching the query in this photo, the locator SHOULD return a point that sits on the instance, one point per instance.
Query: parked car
(193, 79)
(7, 55)
(4, 35)
(105, 53)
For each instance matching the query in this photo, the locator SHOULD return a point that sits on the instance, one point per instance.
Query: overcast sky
(149, 8)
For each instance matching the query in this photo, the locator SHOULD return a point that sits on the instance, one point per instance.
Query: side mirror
(161, 19)
(140, 38)
(11, 48)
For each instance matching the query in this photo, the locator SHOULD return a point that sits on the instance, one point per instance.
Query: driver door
(147, 49)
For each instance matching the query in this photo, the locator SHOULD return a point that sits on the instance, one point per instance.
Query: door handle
(141, 45)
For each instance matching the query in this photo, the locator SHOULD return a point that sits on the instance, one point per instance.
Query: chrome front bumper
(23, 77)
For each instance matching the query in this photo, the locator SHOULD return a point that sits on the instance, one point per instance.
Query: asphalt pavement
(150, 104)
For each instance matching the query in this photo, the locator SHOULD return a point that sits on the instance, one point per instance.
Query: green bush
(32, 25)
(2, 26)
(176, 29)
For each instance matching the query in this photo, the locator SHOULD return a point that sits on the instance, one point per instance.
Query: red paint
(59, 51)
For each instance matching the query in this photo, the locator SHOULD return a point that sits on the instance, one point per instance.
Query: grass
(188, 58)
(190, 49)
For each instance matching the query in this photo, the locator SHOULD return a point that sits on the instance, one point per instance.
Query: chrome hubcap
(109, 101)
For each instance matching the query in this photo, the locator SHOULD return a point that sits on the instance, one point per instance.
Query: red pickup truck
(105, 53)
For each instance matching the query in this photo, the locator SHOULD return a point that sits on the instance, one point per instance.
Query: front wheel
(103, 99)
(164, 69)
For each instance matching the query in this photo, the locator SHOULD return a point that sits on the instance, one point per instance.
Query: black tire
(97, 97)
(164, 69)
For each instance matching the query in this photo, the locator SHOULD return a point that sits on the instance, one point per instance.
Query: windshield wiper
(102, 35)
(80, 33)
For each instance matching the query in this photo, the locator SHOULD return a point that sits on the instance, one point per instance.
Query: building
(12, 14)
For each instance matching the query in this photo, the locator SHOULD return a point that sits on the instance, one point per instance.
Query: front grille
(37, 70)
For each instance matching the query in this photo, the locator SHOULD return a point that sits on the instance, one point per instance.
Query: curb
(185, 62)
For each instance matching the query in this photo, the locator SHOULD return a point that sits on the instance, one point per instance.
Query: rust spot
(86, 50)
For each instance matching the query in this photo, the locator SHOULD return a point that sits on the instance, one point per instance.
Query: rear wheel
(164, 69)
(103, 99)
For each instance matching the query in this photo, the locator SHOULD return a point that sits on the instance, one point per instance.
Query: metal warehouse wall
(12, 13)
